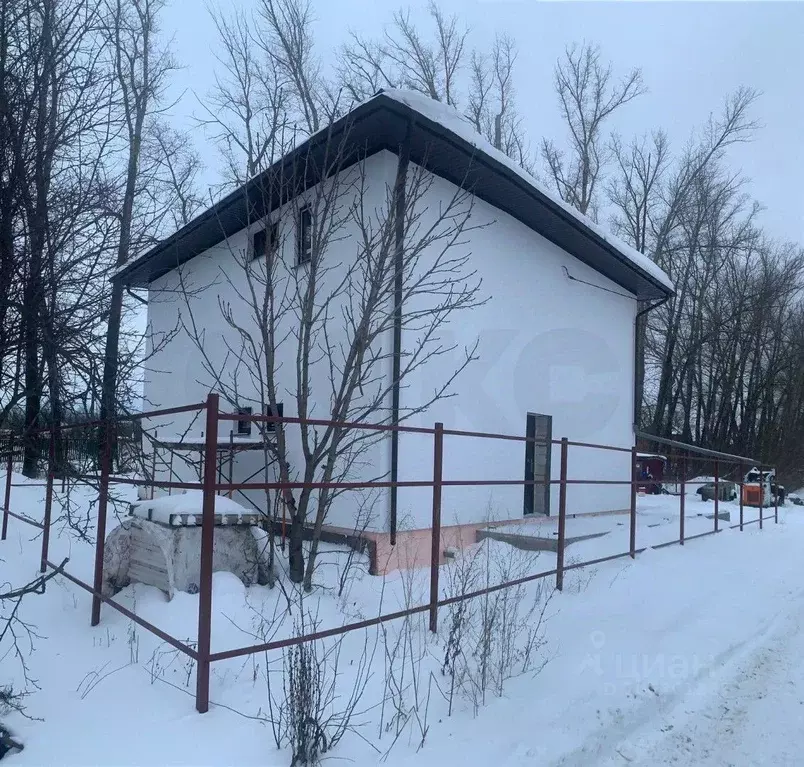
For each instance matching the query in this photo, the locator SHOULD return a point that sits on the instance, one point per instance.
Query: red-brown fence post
(717, 493)
(65, 458)
(742, 491)
(153, 468)
(284, 522)
(207, 543)
(170, 473)
(100, 531)
(632, 540)
(51, 460)
(776, 502)
(761, 498)
(562, 515)
(231, 461)
(435, 549)
(683, 498)
(7, 496)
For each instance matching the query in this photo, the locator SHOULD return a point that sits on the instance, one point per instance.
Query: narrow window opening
(304, 236)
(271, 425)
(244, 426)
(264, 239)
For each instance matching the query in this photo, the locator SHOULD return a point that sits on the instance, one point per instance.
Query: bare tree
(327, 319)
(168, 194)
(491, 106)
(89, 176)
(13, 96)
(17, 640)
(429, 68)
(587, 97)
(404, 58)
(652, 196)
(288, 47)
(362, 70)
(247, 107)
(53, 101)
(441, 65)
(635, 190)
(272, 89)
(140, 68)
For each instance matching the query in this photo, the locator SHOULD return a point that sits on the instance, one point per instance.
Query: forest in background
(94, 172)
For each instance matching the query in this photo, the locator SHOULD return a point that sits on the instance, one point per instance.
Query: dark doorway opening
(539, 431)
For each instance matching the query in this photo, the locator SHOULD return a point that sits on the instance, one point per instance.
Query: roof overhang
(377, 124)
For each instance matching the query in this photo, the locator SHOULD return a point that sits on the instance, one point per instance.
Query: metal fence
(76, 449)
(679, 456)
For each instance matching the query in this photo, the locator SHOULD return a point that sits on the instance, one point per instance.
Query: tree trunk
(59, 467)
(33, 387)
(324, 500)
(296, 550)
(111, 355)
(37, 221)
(32, 320)
(137, 104)
(110, 365)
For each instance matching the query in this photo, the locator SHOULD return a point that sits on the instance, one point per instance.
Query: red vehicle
(650, 473)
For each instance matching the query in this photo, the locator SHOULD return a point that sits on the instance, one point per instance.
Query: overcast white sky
(692, 54)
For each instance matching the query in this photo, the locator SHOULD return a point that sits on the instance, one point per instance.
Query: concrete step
(532, 542)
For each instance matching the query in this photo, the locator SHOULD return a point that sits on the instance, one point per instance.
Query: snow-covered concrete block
(160, 545)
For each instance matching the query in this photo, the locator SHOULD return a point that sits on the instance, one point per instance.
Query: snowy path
(694, 658)
(744, 708)
(751, 715)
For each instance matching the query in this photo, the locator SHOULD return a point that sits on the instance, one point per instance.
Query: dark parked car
(727, 491)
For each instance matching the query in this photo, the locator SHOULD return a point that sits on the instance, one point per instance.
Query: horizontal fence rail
(155, 630)
(106, 436)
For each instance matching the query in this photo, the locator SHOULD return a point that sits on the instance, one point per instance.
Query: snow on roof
(191, 502)
(450, 118)
(651, 455)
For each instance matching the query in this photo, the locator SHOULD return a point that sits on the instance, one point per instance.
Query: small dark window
(244, 427)
(258, 242)
(304, 236)
(263, 239)
(271, 425)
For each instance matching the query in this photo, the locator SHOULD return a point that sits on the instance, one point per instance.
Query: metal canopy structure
(741, 459)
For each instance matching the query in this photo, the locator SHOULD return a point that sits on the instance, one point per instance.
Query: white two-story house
(551, 323)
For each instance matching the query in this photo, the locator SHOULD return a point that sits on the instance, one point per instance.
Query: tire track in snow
(753, 718)
(694, 725)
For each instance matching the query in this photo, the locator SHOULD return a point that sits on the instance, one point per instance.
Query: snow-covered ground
(658, 523)
(683, 656)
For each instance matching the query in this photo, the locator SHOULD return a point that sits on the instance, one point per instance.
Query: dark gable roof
(381, 123)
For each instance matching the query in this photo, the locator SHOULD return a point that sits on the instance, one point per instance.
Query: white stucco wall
(547, 344)
(177, 373)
